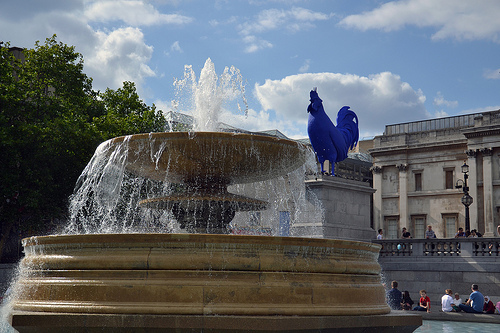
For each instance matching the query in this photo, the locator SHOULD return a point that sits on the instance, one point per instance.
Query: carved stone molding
(487, 151)
(402, 167)
(376, 169)
(471, 153)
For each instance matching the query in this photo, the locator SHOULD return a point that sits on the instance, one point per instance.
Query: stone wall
(439, 264)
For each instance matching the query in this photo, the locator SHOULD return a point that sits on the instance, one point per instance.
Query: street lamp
(466, 199)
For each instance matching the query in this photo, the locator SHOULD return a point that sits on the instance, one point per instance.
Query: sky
(390, 61)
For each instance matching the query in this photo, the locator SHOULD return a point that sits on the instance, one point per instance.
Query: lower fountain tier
(187, 200)
(192, 275)
(200, 274)
(205, 212)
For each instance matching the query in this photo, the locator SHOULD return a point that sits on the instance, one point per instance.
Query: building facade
(417, 166)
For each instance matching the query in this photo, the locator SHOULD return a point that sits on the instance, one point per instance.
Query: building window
(391, 228)
(450, 225)
(449, 179)
(418, 181)
(419, 226)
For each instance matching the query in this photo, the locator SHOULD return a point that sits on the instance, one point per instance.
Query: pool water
(432, 326)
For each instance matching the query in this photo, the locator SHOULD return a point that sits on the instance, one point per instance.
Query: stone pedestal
(347, 208)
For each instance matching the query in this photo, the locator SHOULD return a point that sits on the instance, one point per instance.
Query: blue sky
(391, 61)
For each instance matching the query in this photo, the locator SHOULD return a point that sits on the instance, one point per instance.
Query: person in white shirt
(380, 234)
(447, 301)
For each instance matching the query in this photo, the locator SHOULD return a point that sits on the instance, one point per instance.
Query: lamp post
(466, 198)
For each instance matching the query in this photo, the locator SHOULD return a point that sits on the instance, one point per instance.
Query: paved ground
(457, 316)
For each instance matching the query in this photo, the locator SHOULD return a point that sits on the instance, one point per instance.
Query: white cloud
(271, 19)
(255, 44)
(305, 67)
(135, 13)
(439, 114)
(469, 20)
(492, 74)
(176, 47)
(292, 20)
(440, 101)
(481, 109)
(378, 99)
(111, 55)
(119, 56)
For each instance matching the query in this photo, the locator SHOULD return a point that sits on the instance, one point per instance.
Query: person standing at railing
(460, 233)
(475, 234)
(405, 233)
(380, 234)
(475, 303)
(429, 233)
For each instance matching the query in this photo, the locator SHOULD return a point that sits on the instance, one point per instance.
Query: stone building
(417, 165)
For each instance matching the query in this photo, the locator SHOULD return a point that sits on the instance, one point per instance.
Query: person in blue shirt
(475, 302)
(394, 297)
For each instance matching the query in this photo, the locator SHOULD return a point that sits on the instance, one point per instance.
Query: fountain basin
(200, 274)
(195, 276)
(217, 157)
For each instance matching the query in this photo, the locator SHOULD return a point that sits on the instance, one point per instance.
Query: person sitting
(447, 301)
(456, 302)
(424, 303)
(475, 303)
(406, 302)
(488, 307)
(394, 297)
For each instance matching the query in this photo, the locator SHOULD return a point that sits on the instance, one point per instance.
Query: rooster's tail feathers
(347, 123)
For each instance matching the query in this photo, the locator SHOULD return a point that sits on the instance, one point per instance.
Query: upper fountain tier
(213, 157)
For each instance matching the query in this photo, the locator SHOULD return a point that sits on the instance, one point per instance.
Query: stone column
(378, 221)
(403, 195)
(488, 192)
(472, 182)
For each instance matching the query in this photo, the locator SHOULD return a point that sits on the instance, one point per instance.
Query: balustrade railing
(463, 247)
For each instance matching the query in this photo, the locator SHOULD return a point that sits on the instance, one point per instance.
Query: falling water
(107, 195)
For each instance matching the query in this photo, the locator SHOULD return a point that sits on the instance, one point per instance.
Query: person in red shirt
(424, 303)
(488, 307)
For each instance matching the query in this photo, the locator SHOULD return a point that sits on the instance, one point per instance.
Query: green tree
(127, 113)
(51, 121)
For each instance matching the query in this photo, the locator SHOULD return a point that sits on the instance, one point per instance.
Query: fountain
(201, 278)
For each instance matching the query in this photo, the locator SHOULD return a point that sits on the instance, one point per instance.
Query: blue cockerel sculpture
(329, 142)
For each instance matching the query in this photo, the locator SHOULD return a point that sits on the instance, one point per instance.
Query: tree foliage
(51, 121)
